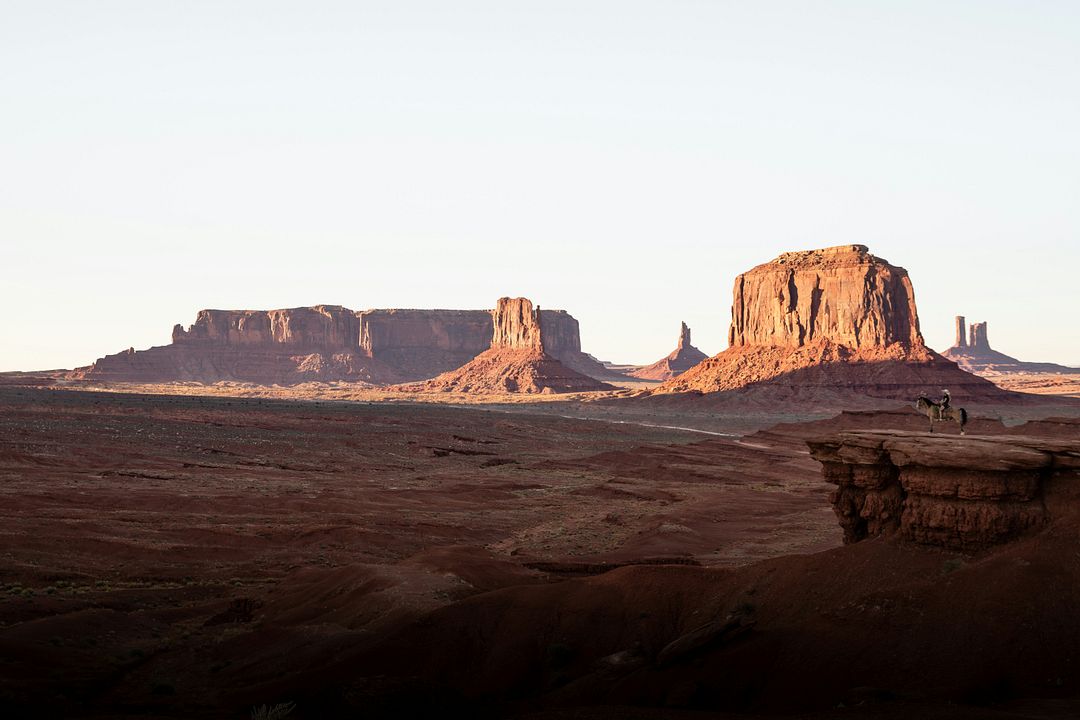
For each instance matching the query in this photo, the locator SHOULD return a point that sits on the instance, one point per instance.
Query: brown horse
(936, 413)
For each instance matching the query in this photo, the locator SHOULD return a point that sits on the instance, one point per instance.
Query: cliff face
(824, 323)
(324, 327)
(842, 294)
(420, 344)
(516, 325)
(262, 346)
(684, 357)
(963, 493)
(330, 342)
(518, 360)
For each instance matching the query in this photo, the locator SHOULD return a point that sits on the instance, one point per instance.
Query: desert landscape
(539, 361)
(246, 521)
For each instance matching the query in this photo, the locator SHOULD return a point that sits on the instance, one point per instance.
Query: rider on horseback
(945, 398)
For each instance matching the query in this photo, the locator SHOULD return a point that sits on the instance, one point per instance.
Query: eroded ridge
(965, 493)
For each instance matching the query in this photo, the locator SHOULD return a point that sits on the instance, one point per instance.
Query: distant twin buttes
(975, 354)
(333, 343)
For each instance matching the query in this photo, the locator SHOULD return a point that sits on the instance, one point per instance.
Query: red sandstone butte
(834, 320)
(684, 357)
(517, 361)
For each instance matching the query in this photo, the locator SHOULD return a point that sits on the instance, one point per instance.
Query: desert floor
(150, 544)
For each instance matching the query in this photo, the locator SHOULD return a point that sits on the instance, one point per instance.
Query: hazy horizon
(623, 161)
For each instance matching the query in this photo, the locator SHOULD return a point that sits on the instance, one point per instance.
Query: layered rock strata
(976, 355)
(420, 344)
(516, 362)
(684, 357)
(262, 346)
(832, 320)
(329, 342)
(963, 493)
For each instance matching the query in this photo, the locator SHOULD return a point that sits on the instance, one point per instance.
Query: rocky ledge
(963, 493)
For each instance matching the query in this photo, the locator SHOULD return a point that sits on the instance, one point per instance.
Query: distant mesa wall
(842, 294)
(328, 342)
(421, 344)
(323, 327)
(961, 493)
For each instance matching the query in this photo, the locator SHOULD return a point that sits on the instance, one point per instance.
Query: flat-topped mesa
(842, 294)
(833, 323)
(517, 325)
(324, 327)
(962, 493)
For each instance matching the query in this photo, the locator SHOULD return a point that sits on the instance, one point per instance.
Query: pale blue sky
(623, 160)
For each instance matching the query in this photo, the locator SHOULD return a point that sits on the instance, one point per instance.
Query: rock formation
(684, 357)
(842, 294)
(836, 320)
(329, 342)
(420, 344)
(262, 346)
(963, 493)
(978, 357)
(517, 361)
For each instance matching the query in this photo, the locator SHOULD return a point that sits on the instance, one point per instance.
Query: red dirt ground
(195, 556)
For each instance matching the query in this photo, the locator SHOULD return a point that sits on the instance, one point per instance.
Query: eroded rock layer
(684, 357)
(262, 346)
(831, 320)
(516, 362)
(328, 343)
(963, 493)
(842, 294)
(420, 344)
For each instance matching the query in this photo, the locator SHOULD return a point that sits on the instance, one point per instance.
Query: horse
(936, 413)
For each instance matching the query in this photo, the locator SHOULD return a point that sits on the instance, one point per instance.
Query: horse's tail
(963, 417)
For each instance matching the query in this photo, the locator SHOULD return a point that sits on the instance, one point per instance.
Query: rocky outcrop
(268, 347)
(842, 294)
(824, 323)
(516, 362)
(963, 493)
(329, 342)
(516, 325)
(976, 355)
(420, 344)
(323, 327)
(684, 357)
